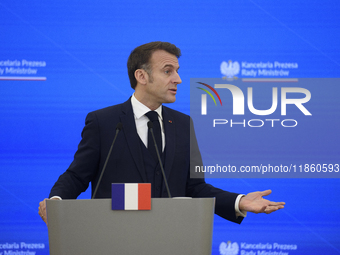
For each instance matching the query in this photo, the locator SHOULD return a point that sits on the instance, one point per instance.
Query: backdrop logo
(230, 69)
(244, 248)
(22, 70)
(229, 248)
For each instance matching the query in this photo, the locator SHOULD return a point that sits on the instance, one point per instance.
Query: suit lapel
(170, 141)
(132, 138)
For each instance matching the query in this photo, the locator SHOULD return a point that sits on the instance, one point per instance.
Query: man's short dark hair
(140, 58)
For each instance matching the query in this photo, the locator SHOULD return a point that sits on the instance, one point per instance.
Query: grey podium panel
(173, 226)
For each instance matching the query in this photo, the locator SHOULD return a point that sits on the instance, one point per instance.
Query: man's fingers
(266, 192)
(42, 204)
(42, 210)
(254, 202)
(276, 203)
(270, 209)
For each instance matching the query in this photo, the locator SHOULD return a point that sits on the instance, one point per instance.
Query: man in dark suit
(153, 72)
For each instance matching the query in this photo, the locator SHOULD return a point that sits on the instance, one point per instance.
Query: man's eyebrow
(170, 65)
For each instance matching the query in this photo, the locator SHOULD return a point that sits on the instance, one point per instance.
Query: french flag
(131, 196)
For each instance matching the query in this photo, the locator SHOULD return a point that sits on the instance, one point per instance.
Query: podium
(172, 226)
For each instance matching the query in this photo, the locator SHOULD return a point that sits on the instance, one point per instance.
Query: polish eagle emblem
(229, 248)
(230, 69)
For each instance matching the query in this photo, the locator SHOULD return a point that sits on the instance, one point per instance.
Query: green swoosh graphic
(209, 94)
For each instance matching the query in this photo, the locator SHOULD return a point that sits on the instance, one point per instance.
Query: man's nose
(177, 79)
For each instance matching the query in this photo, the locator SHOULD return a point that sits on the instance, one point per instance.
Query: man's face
(161, 87)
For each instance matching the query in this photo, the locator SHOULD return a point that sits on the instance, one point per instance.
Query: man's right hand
(42, 209)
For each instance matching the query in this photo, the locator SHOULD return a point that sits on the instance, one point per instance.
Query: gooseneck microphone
(118, 128)
(150, 126)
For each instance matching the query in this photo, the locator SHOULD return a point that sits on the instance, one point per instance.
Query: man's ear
(141, 76)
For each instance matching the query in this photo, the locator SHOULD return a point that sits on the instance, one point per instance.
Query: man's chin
(169, 102)
(172, 100)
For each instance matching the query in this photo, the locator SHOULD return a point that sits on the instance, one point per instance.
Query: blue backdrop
(59, 60)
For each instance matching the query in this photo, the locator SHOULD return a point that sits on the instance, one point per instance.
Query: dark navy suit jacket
(126, 162)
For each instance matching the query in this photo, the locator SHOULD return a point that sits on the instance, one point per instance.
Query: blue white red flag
(131, 196)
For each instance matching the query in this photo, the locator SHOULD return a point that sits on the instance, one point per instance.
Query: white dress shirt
(142, 120)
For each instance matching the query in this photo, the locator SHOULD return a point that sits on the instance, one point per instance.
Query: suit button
(157, 172)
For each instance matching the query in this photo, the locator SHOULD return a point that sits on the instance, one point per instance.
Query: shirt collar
(140, 109)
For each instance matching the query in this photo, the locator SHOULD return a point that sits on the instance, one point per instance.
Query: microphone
(150, 126)
(118, 128)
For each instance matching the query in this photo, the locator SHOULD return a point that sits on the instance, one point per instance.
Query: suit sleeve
(197, 187)
(84, 167)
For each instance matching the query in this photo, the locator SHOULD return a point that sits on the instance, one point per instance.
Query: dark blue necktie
(153, 116)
